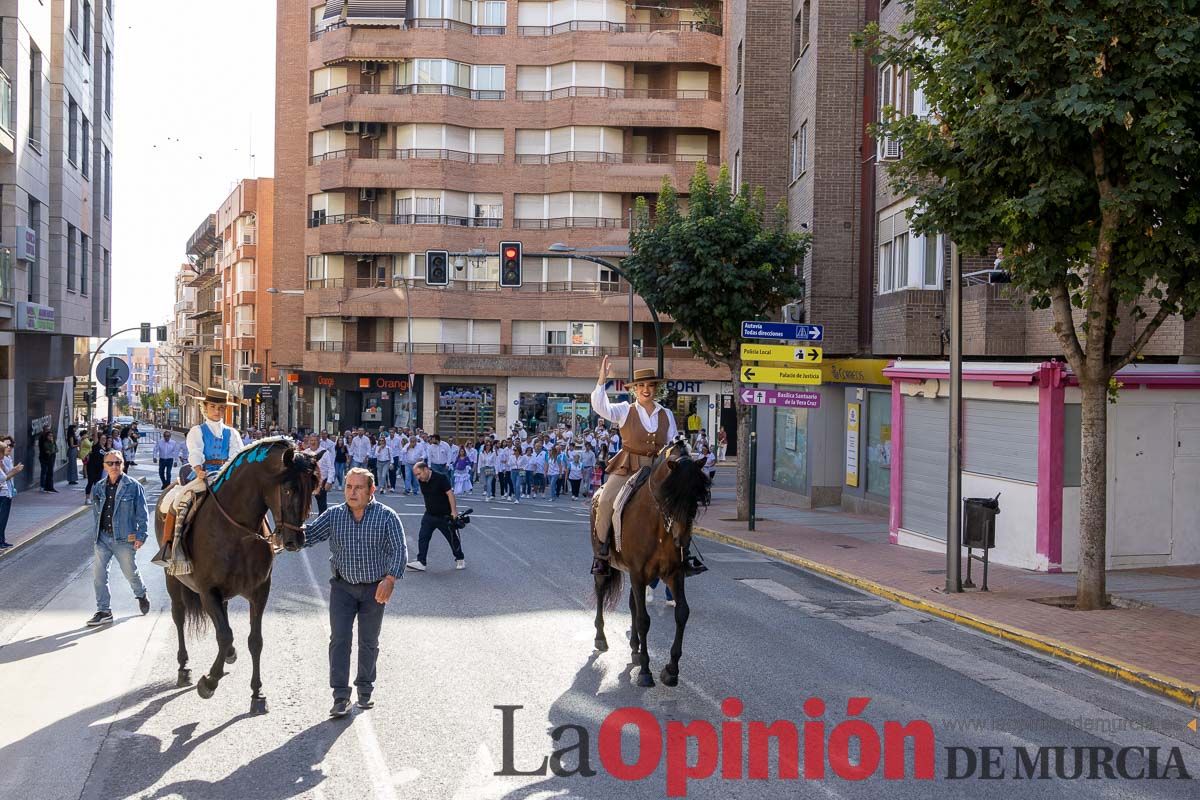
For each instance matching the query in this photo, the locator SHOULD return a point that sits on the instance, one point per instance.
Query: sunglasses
(112, 463)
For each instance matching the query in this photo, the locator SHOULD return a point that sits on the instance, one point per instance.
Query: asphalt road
(95, 713)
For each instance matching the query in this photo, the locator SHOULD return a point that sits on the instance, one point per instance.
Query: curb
(1180, 691)
(54, 525)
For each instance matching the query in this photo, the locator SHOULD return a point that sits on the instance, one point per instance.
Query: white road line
(364, 728)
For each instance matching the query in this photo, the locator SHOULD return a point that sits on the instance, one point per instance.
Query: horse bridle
(264, 531)
(668, 521)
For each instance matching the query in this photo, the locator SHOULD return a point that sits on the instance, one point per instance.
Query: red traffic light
(510, 252)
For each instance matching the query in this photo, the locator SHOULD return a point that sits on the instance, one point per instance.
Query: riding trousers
(606, 495)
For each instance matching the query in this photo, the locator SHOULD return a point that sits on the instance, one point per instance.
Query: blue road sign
(782, 331)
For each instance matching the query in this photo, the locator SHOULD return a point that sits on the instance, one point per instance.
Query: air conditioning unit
(372, 130)
(349, 127)
(370, 67)
(367, 195)
(349, 319)
(889, 150)
(793, 312)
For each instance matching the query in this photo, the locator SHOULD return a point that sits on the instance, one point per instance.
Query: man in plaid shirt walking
(367, 551)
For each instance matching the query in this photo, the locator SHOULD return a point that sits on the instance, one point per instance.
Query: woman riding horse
(643, 434)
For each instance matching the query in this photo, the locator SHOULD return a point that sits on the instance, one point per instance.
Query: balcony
(422, 23)
(407, 219)
(529, 287)
(413, 154)
(583, 25)
(185, 306)
(448, 89)
(613, 93)
(557, 223)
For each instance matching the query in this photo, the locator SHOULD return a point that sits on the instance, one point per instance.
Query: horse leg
(258, 605)
(231, 654)
(215, 608)
(601, 640)
(634, 641)
(175, 589)
(670, 673)
(641, 622)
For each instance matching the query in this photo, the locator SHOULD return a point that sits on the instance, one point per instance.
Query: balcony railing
(243, 328)
(412, 88)
(532, 287)
(422, 153)
(409, 219)
(246, 283)
(599, 157)
(617, 27)
(425, 24)
(555, 223)
(446, 348)
(611, 93)
(185, 305)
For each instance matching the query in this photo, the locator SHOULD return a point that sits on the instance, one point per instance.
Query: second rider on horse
(645, 428)
(210, 445)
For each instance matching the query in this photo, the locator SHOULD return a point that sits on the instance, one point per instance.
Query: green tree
(719, 263)
(1066, 132)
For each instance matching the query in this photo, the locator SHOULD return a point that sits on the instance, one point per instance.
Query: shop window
(791, 449)
(879, 443)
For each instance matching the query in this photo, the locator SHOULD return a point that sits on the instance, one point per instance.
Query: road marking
(380, 777)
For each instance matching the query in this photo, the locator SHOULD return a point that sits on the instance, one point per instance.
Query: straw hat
(645, 376)
(219, 396)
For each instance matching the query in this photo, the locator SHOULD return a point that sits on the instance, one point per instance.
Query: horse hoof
(184, 679)
(258, 705)
(667, 678)
(231, 656)
(205, 687)
(602, 645)
(645, 680)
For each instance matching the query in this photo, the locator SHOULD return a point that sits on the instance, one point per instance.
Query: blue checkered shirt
(361, 552)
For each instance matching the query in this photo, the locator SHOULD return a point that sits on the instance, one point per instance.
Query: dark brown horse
(656, 527)
(231, 555)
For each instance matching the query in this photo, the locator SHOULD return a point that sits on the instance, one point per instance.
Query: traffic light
(145, 331)
(89, 397)
(161, 333)
(112, 382)
(437, 267)
(510, 265)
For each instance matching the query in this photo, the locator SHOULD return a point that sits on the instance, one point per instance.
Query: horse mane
(685, 488)
(251, 450)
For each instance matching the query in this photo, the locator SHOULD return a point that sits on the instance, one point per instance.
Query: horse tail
(193, 611)
(608, 589)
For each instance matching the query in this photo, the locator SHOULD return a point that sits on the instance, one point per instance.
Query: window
(492, 13)
(74, 18)
(737, 172)
(70, 258)
(85, 261)
(108, 6)
(72, 130)
(107, 184)
(800, 30)
(739, 66)
(108, 78)
(799, 153)
(106, 285)
(85, 156)
(35, 98)
(908, 260)
(87, 30)
(35, 223)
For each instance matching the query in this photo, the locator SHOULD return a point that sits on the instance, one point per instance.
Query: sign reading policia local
(781, 352)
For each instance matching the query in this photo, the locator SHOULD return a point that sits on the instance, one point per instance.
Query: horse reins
(264, 532)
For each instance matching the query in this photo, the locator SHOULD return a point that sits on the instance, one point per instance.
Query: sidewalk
(1153, 645)
(35, 513)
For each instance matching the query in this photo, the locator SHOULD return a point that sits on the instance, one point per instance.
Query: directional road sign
(771, 397)
(781, 352)
(752, 373)
(782, 331)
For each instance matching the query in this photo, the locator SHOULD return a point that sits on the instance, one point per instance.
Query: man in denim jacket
(119, 508)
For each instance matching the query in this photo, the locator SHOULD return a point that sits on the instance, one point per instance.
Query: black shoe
(365, 702)
(4, 545)
(693, 566)
(52, 490)
(100, 618)
(341, 707)
(600, 566)
(144, 605)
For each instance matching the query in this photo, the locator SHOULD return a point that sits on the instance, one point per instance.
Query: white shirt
(167, 449)
(327, 444)
(360, 448)
(195, 442)
(617, 413)
(6, 466)
(383, 452)
(487, 459)
(395, 444)
(325, 464)
(414, 454)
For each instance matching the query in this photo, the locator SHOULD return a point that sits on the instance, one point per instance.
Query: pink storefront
(1021, 440)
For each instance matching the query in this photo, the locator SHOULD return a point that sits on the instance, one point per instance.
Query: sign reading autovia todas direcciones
(782, 331)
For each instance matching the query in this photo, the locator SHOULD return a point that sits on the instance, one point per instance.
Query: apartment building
(143, 374)
(55, 208)
(202, 365)
(405, 127)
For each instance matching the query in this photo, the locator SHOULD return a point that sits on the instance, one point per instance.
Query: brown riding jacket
(638, 446)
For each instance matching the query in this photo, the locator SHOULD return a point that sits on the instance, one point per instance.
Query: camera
(462, 520)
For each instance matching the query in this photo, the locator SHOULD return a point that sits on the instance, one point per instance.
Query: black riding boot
(692, 565)
(600, 562)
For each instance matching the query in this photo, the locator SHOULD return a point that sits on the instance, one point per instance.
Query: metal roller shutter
(926, 463)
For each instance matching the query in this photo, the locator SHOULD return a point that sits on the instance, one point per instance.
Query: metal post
(753, 456)
(631, 332)
(954, 478)
(409, 346)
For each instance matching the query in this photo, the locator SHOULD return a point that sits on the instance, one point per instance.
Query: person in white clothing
(166, 453)
(360, 449)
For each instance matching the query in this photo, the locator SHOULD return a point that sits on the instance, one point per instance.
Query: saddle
(631, 487)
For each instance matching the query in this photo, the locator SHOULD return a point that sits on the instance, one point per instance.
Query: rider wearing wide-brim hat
(645, 428)
(210, 445)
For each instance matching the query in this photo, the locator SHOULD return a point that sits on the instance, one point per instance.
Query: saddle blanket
(627, 491)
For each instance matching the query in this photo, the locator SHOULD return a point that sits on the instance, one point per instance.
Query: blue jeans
(348, 601)
(164, 470)
(5, 507)
(106, 549)
(517, 476)
(397, 472)
(339, 472)
(411, 484)
(553, 486)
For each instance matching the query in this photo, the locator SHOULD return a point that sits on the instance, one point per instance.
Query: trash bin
(979, 521)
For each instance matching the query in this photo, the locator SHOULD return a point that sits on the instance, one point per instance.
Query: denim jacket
(129, 508)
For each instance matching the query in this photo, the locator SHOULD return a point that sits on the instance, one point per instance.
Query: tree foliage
(715, 264)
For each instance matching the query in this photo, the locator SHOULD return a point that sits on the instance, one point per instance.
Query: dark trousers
(429, 524)
(322, 500)
(48, 475)
(348, 601)
(5, 507)
(397, 471)
(165, 465)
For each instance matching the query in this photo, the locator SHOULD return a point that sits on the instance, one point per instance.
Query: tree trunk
(1090, 591)
(744, 411)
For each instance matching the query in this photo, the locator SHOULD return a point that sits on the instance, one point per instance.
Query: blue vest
(216, 451)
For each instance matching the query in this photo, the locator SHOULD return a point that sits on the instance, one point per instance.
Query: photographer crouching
(441, 514)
